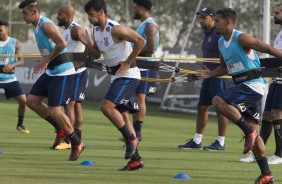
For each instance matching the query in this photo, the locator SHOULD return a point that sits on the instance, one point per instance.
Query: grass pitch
(28, 159)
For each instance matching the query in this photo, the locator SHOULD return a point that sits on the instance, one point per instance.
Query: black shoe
(133, 165)
(215, 147)
(190, 144)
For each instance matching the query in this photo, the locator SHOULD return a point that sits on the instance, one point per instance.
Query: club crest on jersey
(108, 29)
(97, 28)
(106, 41)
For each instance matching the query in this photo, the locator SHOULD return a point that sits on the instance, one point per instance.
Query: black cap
(25, 3)
(207, 11)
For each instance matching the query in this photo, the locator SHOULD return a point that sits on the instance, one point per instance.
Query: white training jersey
(73, 45)
(114, 53)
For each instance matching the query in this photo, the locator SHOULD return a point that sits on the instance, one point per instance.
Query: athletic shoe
(23, 129)
(138, 135)
(63, 146)
(265, 179)
(131, 146)
(274, 159)
(250, 140)
(76, 151)
(249, 159)
(60, 135)
(133, 165)
(190, 144)
(214, 147)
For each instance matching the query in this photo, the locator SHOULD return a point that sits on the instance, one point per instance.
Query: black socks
(126, 134)
(244, 126)
(265, 131)
(53, 123)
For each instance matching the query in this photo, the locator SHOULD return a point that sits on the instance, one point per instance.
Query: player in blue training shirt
(55, 82)
(241, 104)
(8, 79)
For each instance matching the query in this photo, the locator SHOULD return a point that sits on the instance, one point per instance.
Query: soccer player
(149, 30)
(272, 115)
(73, 109)
(8, 79)
(55, 82)
(113, 41)
(241, 103)
(210, 87)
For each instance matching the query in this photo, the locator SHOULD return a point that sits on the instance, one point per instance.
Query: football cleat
(249, 159)
(60, 135)
(76, 151)
(250, 140)
(274, 159)
(130, 149)
(23, 129)
(133, 165)
(63, 146)
(265, 179)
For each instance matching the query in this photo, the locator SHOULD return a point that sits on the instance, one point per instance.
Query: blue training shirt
(10, 49)
(46, 46)
(236, 59)
(141, 31)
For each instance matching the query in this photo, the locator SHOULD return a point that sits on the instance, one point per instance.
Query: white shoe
(250, 158)
(274, 159)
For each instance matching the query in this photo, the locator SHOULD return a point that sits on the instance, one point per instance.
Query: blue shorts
(148, 88)
(246, 100)
(80, 81)
(12, 89)
(122, 93)
(210, 88)
(56, 88)
(273, 99)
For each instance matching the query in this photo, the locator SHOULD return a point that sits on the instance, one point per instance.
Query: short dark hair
(4, 23)
(227, 13)
(96, 5)
(145, 3)
(26, 3)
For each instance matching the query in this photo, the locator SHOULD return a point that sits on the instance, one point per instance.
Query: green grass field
(28, 159)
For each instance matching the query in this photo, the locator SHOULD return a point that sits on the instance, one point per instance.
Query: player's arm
(248, 42)
(56, 37)
(18, 52)
(219, 71)
(120, 33)
(77, 33)
(150, 32)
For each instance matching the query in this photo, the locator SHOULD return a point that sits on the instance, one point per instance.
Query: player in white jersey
(8, 79)
(112, 41)
(272, 115)
(73, 109)
(240, 104)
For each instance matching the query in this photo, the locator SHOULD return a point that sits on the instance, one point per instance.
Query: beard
(277, 21)
(61, 23)
(136, 17)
